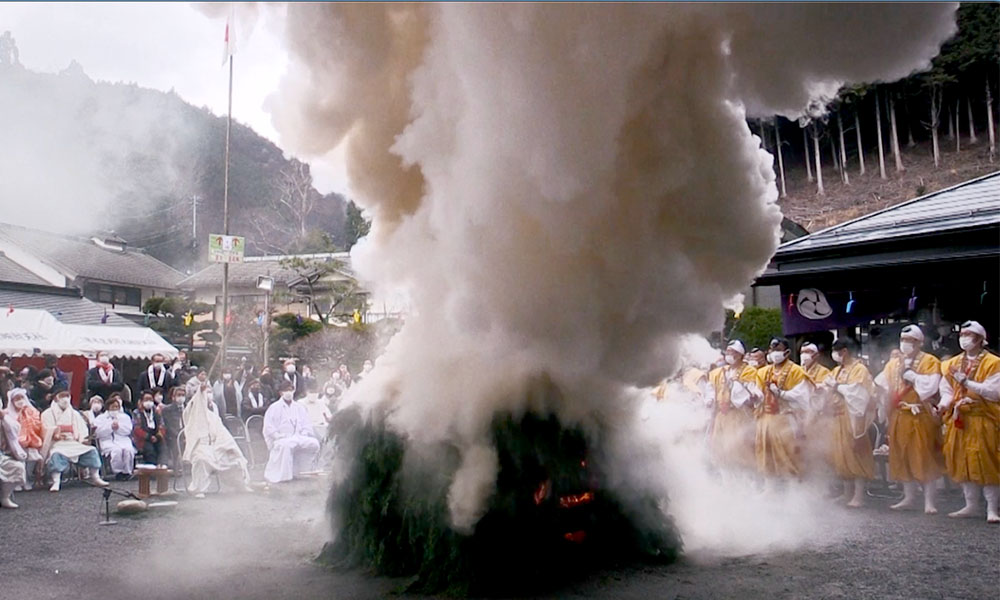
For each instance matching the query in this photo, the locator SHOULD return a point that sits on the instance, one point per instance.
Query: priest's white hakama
(116, 444)
(290, 439)
(209, 446)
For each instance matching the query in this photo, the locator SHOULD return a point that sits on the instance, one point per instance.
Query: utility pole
(194, 221)
(225, 222)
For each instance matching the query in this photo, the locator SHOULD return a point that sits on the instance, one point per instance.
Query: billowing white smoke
(563, 189)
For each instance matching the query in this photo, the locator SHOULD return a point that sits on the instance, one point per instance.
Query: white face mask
(287, 396)
(20, 403)
(330, 391)
(808, 358)
(290, 369)
(838, 357)
(102, 359)
(96, 408)
(114, 412)
(226, 377)
(63, 402)
(777, 357)
(179, 399)
(967, 342)
(730, 359)
(148, 405)
(906, 347)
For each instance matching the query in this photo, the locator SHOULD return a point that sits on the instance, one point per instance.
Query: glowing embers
(577, 500)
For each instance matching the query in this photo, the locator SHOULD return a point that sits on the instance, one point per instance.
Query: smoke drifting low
(567, 190)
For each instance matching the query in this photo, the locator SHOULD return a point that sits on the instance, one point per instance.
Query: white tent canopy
(24, 331)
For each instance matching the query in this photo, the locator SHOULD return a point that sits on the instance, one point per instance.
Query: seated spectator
(308, 380)
(228, 394)
(318, 409)
(63, 434)
(365, 370)
(113, 431)
(12, 457)
(290, 437)
(209, 446)
(172, 414)
(30, 437)
(96, 406)
(41, 392)
(104, 379)
(256, 399)
(147, 430)
(345, 376)
(194, 383)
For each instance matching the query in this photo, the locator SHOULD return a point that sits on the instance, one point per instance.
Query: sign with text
(225, 248)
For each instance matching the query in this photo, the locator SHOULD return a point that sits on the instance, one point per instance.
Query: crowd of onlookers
(117, 427)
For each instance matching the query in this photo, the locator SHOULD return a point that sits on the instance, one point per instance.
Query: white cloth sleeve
(798, 396)
(947, 393)
(738, 394)
(707, 392)
(927, 385)
(124, 425)
(988, 389)
(856, 397)
(882, 381)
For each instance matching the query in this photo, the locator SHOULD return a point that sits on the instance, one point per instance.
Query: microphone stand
(107, 491)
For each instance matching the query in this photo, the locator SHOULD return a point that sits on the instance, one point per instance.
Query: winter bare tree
(781, 161)
(843, 150)
(296, 197)
(989, 121)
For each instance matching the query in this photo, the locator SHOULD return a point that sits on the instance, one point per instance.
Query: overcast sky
(163, 46)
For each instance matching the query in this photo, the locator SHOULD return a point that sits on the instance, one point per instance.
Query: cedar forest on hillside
(917, 135)
(923, 133)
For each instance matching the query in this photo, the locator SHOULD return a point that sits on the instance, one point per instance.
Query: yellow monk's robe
(914, 439)
(731, 438)
(972, 432)
(854, 409)
(779, 420)
(819, 424)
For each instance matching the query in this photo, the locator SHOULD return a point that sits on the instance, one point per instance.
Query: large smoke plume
(565, 190)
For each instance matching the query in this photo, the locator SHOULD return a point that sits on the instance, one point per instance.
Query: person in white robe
(290, 438)
(63, 434)
(113, 431)
(318, 408)
(209, 446)
(12, 467)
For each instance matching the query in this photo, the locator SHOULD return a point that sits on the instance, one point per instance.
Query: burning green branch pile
(550, 518)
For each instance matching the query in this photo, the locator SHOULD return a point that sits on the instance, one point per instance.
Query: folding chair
(239, 432)
(252, 426)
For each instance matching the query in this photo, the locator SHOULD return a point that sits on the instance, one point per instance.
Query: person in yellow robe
(851, 396)
(819, 419)
(735, 389)
(787, 393)
(970, 407)
(911, 381)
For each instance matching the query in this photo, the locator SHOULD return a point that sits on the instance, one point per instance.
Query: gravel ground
(251, 546)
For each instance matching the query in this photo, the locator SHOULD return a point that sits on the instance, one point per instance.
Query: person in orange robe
(30, 437)
(787, 393)
(970, 406)
(911, 383)
(735, 389)
(819, 419)
(851, 396)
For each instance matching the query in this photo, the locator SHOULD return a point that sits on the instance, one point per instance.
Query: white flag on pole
(230, 39)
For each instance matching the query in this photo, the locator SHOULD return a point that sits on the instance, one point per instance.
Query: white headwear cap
(810, 347)
(15, 393)
(913, 331)
(737, 346)
(974, 327)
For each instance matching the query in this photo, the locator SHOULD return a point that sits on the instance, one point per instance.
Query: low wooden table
(144, 474)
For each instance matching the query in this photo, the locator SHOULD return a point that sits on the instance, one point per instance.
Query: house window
(113, 294)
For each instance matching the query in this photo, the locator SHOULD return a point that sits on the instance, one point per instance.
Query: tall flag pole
(229, 51)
